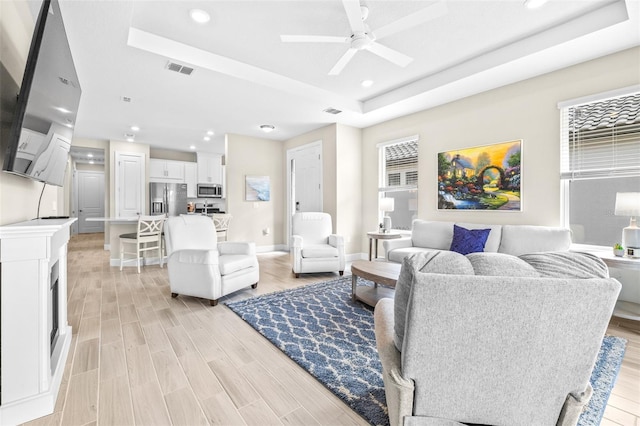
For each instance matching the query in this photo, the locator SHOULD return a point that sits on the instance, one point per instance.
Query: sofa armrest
(232, 247)
(397, 243)
(399, 391)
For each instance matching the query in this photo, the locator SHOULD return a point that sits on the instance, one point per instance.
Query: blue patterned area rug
(321, 329)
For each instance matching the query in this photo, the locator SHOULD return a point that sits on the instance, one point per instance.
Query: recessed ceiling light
(192, 147)
(210, 132)
(366, 83)
(534, 4)
(199, 16)
(90, 155)
(267, 128)
(207, 138)
(129, 137)
(135, 128)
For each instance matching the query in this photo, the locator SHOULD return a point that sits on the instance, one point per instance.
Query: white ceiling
(246, 76)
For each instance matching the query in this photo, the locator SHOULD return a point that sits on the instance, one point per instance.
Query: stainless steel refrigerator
(168, 198)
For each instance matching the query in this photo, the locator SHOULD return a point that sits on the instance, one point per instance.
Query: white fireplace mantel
(30, 370)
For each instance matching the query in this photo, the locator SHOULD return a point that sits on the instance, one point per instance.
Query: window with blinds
(600, 156)
(399, 179)
(601, 139)
(400, 165)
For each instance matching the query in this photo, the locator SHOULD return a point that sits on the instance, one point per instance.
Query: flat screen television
(46, 108)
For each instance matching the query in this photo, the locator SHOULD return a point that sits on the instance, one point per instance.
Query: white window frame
(382, 184)
(565, 208)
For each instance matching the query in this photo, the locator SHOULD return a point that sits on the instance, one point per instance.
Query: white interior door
(304, 180)
(90, 201)
(307, 175)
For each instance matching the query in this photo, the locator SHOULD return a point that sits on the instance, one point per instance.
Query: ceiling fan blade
(354, 14)
(342, 62)
(420, 17)
(389, 54)
(313, 39)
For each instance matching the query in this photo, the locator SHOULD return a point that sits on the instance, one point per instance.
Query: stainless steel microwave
(209, 190)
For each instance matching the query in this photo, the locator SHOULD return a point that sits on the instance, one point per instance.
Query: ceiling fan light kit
(362, 38)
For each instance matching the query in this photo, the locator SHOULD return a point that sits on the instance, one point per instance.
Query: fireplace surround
(35, 336)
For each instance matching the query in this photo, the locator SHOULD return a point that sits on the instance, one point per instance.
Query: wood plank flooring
(139, 357)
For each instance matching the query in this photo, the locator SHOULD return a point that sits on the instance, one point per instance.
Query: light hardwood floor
(140, 357)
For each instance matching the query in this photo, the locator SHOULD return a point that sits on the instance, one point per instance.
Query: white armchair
(313, 247)
(200, 266)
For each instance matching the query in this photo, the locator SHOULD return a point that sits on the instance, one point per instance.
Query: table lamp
(386, 205)
(628, 204)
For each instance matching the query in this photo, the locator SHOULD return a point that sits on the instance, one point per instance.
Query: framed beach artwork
(257, 188)
(481, 178)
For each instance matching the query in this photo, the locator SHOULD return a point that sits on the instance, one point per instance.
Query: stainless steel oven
(209, 190)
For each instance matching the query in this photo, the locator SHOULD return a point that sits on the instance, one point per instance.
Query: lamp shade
(627, 204)
(386, 204)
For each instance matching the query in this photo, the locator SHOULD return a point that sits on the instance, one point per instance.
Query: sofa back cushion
(433, 235)
(437, 262)
(493, 241)
(567, 264)
(501, 265)
(523, 239)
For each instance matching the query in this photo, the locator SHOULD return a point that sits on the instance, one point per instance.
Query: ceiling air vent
(332, 111)
(126, 99)
(172, 66)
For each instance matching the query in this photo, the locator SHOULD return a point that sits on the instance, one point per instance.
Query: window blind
(399, 166)
(601, 139)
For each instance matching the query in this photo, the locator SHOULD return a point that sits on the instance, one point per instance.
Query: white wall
(255, 157)
(348, 190)
(526, 110)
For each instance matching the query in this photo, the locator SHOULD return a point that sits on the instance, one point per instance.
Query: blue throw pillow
(467, 241)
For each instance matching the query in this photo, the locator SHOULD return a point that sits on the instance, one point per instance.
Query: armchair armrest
(232, 247)
(336, 240)
(399, 391)
(202, 257)
(296, 241)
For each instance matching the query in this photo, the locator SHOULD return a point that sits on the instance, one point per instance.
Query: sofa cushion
(434, 235)
(319, 250)
(500, 264)
(437, 262)
(467, 241)
(523, 239)
(493, 240)
(567, 264)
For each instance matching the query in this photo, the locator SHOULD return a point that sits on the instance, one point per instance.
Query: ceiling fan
(362, 38)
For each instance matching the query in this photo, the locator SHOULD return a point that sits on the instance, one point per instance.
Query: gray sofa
(491, 338)
(511, 239)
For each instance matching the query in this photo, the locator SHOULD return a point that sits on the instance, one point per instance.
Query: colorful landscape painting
(481, 178)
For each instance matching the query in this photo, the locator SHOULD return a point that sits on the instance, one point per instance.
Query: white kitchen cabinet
(166, 171)
(130, 184)
(191, 179)
(210, 168)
